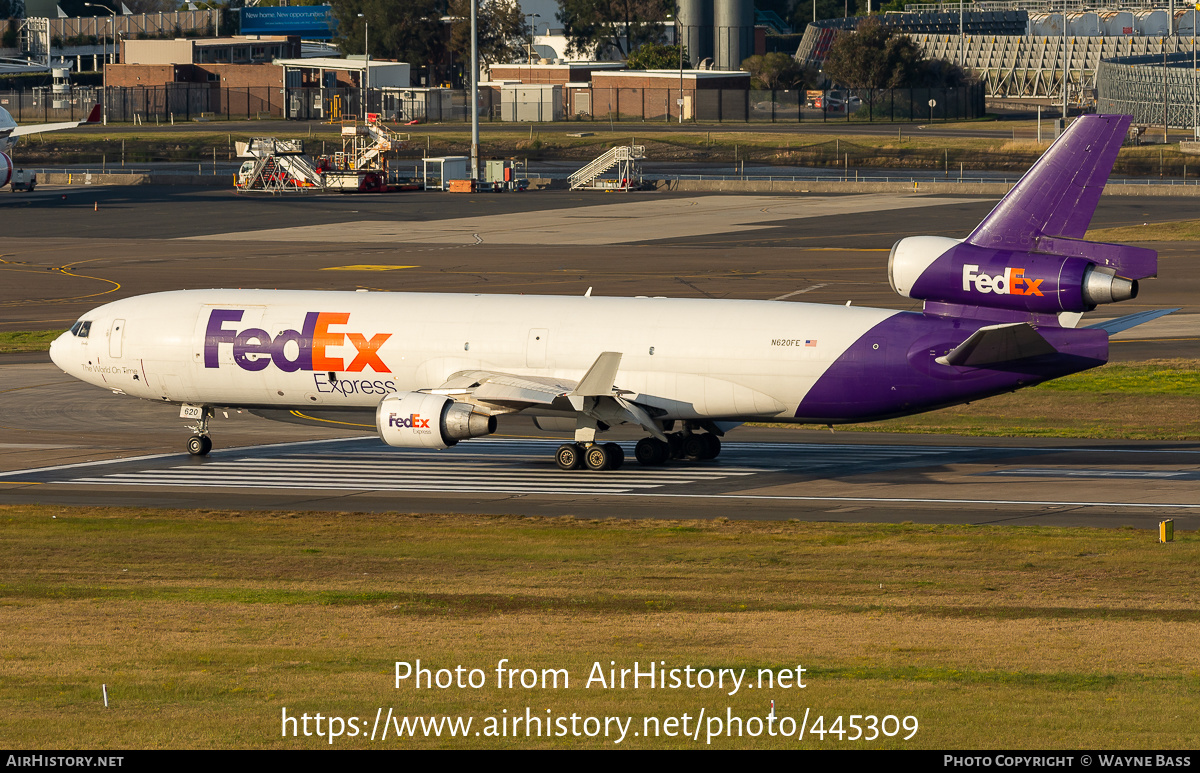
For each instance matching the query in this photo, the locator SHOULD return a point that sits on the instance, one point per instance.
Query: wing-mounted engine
(420, 420)
(6, 167)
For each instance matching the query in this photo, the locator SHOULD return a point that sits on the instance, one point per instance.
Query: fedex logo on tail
(292, 350)
(1012, 282)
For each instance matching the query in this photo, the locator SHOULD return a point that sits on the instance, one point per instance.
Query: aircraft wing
(38, 128)
(594, 396)
(1058, 196)
(505, 389)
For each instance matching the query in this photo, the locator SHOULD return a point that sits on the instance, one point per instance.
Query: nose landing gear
(199, 444)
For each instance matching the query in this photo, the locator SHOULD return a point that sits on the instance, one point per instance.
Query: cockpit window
(81, 329)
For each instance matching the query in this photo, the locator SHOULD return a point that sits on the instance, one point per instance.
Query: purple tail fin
(1058, 196)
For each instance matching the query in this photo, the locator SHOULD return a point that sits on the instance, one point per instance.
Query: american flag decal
(810, 342)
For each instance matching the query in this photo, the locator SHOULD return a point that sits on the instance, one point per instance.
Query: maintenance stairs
(624, 157)
(364, 143)
(280, 166)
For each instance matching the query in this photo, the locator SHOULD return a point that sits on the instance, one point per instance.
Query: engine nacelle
(934, 268)
(6, 168)
(420, 420)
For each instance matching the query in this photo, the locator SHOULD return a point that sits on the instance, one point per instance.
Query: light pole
(1066, 67)
(367, 65)
(104, 73)
(474, 92)
(531, 17)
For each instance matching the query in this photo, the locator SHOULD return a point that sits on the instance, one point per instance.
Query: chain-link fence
(188, 101)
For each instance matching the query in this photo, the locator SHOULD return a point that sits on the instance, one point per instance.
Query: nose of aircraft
(58, 348)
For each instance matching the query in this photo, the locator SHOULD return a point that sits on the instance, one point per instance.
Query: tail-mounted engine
(1063, 275)
(419, 420)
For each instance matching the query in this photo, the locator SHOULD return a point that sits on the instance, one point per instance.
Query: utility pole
(679, 42)
(104, 72)
(474, 91)
(1066, 67)
(366, 81)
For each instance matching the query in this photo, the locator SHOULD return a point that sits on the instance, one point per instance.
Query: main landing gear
(594, 456)
(653, 452)
(650, 452)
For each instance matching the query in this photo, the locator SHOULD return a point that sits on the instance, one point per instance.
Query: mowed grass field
(205, 625)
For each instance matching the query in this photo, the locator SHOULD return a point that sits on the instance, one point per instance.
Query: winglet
(94, 116)
(599, 379)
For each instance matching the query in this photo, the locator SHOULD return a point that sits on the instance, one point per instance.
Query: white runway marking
(497, 466)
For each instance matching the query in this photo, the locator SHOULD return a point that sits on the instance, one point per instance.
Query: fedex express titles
(1012, 282)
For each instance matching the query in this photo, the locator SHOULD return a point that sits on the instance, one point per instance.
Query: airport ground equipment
(277, 166)
(624, 158)
(24, 180)
(362, 164)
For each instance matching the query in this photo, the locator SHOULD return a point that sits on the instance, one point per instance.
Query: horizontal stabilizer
(1128, 261)
(1113, 326)
(998, 343)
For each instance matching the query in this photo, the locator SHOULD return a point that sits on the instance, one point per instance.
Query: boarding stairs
(363, 144)
(624, 157)
(280, 167)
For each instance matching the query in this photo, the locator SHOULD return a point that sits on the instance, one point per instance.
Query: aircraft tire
(569, 456)
(652, 452)
(693, 447)
(712, 447)
(616, 456)
(597, 458)
(199, 445)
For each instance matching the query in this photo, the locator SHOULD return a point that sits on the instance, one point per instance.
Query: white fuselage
(691, 358)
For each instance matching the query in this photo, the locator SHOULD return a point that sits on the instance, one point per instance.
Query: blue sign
(314, 22)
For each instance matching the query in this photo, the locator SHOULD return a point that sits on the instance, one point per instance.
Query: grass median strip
(204, 625)
(27, 340)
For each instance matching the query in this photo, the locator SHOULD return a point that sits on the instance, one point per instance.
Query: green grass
(205, 625)
(27, 340)
(1153, 377)
(1177, 231)
(1151, 400)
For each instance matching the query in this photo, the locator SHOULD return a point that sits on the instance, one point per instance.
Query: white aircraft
(10, 132)
(434, 369)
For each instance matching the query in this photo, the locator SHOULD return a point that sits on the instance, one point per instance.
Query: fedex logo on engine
(292, 350)
(1012, 282)
(412, 421)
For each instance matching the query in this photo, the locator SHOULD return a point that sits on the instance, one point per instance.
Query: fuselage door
(535, 348)
(116, 334)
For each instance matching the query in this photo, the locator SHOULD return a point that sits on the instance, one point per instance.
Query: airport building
(1022, 49)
